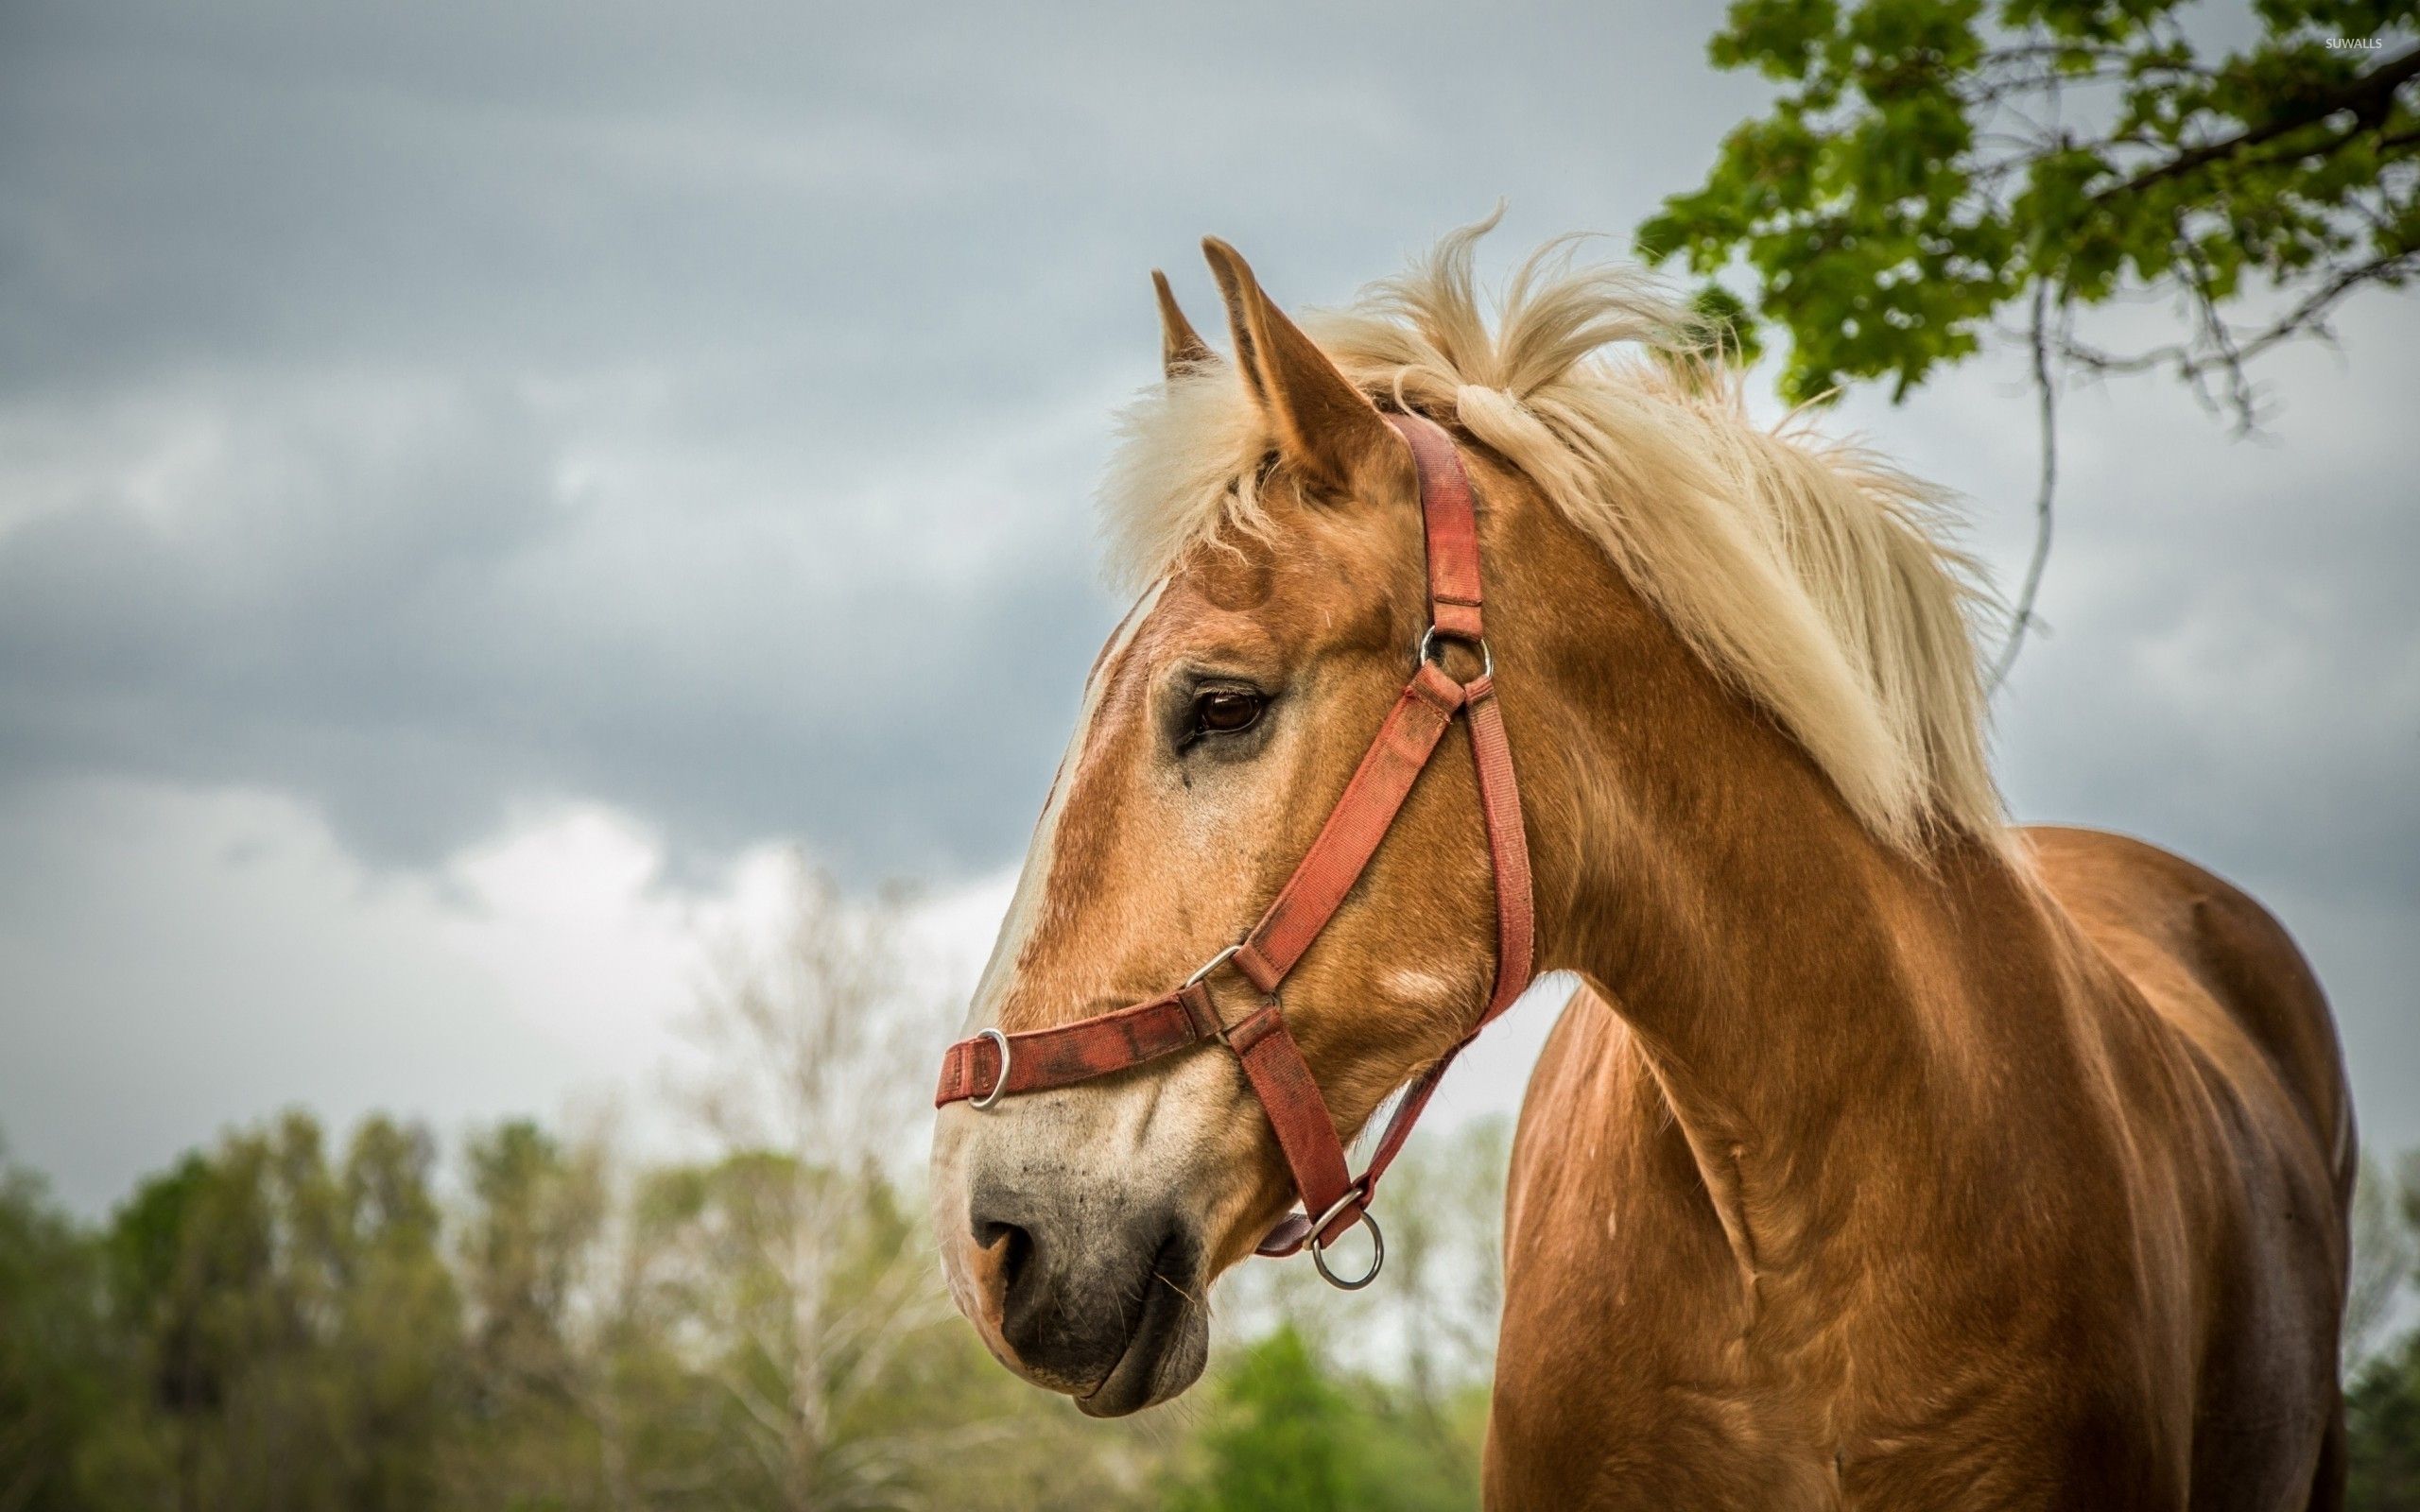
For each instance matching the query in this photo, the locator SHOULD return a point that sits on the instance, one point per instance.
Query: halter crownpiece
(991, 1065)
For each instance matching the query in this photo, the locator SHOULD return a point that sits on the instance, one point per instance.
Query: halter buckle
(1211, 964)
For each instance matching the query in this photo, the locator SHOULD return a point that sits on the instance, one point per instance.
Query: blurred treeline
(290, 1322)
(279, 1324)
(308, 1320)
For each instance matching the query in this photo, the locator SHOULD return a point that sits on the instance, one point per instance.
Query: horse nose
(1063, 1285)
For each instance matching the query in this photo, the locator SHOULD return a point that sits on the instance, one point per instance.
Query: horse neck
(1785, 975)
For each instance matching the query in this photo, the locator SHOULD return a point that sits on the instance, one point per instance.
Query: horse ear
(1182, 349)
(1324, 425)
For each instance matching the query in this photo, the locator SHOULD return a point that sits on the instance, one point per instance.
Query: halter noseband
(993, 1065)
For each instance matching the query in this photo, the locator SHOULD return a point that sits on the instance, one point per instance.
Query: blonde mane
(1811, 573)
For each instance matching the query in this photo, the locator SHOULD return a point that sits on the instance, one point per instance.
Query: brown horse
(1893, 1157)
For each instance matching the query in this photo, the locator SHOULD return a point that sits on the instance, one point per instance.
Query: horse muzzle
(1095, 1294)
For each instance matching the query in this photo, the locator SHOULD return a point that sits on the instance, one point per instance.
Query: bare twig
(2195, 364)
(2046, 400)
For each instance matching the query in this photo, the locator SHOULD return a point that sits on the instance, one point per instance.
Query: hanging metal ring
(1319, 1245)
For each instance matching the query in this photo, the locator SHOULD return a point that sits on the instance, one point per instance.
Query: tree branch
(2367, 96)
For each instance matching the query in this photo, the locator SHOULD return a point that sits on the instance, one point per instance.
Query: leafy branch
(1930, 165)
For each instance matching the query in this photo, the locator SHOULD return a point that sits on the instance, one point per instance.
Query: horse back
(2248, 1001)
(2219, 972)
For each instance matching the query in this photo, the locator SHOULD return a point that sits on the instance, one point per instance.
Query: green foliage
(293, 1328)
(59, 1367)
(1288, 1434)
(532, 1232)
(2382, 1411)
(261, 1327)
(1281, 1437)
(2383, 1403)
(1930, 163)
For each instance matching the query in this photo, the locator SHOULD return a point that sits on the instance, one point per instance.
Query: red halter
(993, 1065)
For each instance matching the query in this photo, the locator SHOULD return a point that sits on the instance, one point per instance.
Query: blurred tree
(1280, 1438)
(792, 1250)
(297, 1327)
(1932, 167)
(548, 1427)
(390, 1354)
(2383, 1414)
(2386, 1247)
(1287, 1431)
(58, 1366)
(2382, 1406)
(1446, 1201)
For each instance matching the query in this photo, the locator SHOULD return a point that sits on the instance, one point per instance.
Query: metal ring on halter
(1000, 1087)
(1486, 658)
(1319, 1245)
(1211, 964)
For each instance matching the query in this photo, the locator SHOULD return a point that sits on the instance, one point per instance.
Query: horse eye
(1225, 711)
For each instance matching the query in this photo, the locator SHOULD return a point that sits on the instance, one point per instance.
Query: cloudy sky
(476, 482)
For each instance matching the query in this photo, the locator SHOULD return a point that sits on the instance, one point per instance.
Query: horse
(1890, 1155)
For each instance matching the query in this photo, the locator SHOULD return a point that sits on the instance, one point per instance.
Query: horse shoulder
(1621, 1279)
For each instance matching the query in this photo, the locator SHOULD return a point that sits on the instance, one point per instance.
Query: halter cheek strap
(993, 1065)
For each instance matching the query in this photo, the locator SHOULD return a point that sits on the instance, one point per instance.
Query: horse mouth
(1170, 1343)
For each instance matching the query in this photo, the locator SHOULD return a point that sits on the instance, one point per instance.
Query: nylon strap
(1079, 1051)
(1450, 523)
(1350, 837)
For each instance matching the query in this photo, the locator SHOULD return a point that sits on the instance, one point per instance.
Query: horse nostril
(1002, 1222)
(1016, 1250)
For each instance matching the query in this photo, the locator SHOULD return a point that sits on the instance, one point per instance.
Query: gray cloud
(420, 617)
(557, 399)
